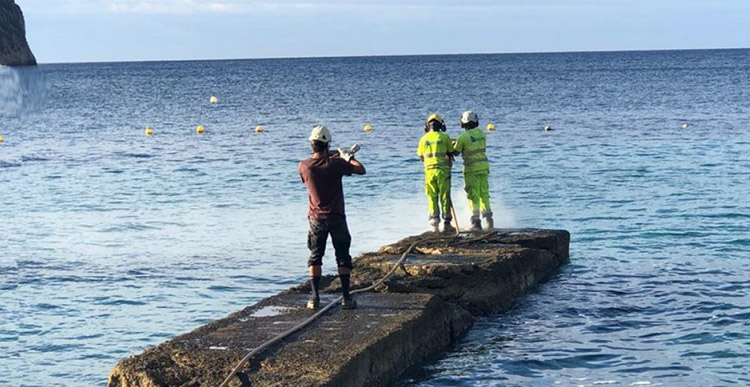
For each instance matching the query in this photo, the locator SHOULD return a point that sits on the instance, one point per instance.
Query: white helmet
(469, 116)
(320, 133)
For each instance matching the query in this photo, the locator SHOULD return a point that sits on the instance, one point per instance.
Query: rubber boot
(476, 223)
(448, 227)
(488, 218)
(434, 224)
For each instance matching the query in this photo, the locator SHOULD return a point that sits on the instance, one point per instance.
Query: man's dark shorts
(318, 236)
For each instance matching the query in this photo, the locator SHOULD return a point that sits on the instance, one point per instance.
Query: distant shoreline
(403, 56)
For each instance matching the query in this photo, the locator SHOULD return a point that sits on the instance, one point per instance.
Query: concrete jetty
(417, 313)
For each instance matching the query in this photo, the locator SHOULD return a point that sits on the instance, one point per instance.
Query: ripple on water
(123, 241)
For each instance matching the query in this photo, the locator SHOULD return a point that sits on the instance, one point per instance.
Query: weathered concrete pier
(419, 311)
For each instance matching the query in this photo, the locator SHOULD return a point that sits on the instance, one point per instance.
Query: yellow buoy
(368, 128)
(200, 129)
(213, 99)
(258, 129)
(149, 131)
(1, 139)
(490, 127)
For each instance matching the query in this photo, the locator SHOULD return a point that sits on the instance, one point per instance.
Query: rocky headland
(14, 49)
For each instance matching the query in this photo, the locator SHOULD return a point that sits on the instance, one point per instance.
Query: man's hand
(344, 154)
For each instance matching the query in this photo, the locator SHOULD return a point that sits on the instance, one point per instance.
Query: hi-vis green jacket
(473, 147)
(435, 149)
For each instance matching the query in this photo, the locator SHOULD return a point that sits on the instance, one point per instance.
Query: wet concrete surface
(421, 310)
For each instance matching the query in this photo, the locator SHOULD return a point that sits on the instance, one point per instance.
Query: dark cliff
(14, 50)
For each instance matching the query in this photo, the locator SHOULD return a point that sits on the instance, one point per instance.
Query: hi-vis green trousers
(478, 192)
(437, 186)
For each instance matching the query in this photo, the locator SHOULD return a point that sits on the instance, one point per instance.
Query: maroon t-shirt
(323, 180)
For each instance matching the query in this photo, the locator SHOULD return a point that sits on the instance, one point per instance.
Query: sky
(134, 30)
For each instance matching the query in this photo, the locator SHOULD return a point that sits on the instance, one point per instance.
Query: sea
(113, 241)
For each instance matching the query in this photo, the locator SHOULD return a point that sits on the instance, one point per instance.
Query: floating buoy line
(367, 128)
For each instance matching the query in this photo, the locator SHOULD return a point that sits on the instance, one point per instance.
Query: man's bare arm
(359, 169)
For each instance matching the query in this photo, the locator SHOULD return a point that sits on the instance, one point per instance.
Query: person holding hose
(322, 174)
(472, 145)
(435, 150)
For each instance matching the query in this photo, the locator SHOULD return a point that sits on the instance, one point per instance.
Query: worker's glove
(345, 154)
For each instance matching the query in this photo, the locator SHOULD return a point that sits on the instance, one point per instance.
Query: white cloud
(393, 7)
(170, 6)
(247, 6)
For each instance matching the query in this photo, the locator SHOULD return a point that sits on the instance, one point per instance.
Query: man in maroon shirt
(322, 175)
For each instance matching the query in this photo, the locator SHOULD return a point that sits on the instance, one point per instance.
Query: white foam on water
(21, 90)
(11, 97)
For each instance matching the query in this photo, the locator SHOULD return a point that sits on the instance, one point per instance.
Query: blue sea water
(113, 241)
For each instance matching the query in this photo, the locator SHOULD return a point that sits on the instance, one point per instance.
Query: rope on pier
(326, 308)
